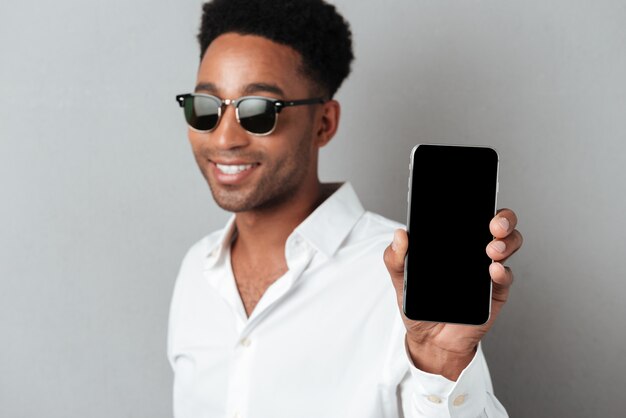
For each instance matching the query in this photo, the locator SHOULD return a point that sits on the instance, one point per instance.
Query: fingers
(507, 239)
(503, 223)
(502, 277)
(501, 274)
(395, 254)
(501, 249)
(394, 257)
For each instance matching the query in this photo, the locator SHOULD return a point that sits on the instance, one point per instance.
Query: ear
(328, 123)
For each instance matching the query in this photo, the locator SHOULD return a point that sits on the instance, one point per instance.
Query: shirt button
(459, 400)
(434, 398)
(245, 342)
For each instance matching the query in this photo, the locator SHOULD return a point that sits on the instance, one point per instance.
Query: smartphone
(452, 198)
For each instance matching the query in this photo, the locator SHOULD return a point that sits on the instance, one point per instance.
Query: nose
(229, 134)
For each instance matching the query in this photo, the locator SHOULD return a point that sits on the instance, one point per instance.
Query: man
(289, 311)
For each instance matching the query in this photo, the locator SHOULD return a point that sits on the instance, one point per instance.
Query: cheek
(195, 140)
(297, 128)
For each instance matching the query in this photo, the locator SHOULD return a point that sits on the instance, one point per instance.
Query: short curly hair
(313, 28)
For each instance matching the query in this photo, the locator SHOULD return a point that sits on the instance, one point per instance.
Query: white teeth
(233, 169)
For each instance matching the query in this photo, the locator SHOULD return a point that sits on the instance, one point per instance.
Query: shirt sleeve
(428, 395)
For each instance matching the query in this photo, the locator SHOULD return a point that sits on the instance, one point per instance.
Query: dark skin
(272, 184)
(282, 187)
(446, 349)
(254, 271)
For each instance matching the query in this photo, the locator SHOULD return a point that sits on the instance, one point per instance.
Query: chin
(233, 200)
(231, 203)
(262, 195)
(245, 202)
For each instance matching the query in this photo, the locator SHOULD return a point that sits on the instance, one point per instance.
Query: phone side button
(408, 192)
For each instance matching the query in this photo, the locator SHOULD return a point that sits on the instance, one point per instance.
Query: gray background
(101, 196)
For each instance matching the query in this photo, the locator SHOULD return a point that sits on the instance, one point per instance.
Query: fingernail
(394, 243)
(499, 246)
(495, 268)
(504, 223)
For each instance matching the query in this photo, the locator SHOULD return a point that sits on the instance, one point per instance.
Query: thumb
(394, 256)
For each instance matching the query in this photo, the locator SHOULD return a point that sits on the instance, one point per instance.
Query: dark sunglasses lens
(257, 115)
(202, 113)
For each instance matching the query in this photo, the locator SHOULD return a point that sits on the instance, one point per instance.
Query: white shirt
(325, 340)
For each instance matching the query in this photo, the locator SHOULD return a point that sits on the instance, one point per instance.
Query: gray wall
(101, 196)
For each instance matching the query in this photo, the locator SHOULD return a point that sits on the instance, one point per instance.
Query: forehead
(232, 62)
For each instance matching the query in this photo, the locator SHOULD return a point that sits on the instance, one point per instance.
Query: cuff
(436, 396)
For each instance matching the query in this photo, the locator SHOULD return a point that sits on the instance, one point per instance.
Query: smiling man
(290, 311)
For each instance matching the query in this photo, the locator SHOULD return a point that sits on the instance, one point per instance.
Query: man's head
(313, 28)
(287, 50)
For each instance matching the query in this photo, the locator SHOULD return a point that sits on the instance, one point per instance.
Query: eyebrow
(207, 87)
(263, 87)
(251, 88)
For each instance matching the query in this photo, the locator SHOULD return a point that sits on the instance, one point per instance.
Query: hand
(446, 349)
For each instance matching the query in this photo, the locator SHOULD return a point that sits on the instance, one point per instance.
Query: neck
(263, 233)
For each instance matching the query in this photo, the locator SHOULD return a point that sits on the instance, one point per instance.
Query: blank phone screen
(452, 199)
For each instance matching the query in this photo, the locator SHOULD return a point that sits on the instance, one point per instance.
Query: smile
(233, 169)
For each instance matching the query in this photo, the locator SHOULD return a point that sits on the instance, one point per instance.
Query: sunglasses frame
(277, 103)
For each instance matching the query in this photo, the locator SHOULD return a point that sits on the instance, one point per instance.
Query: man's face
(247, 172)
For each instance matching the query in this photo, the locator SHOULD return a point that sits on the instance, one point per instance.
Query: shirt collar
(215, 248)
(331, 222)
(325, 229)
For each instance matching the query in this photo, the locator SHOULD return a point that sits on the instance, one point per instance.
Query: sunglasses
(257, 115)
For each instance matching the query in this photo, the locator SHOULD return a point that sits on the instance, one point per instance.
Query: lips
(232, 173)
(233, 169)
